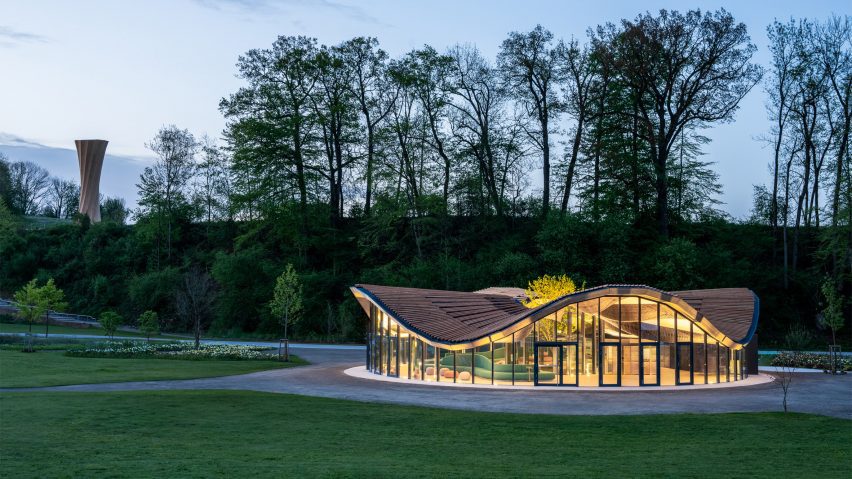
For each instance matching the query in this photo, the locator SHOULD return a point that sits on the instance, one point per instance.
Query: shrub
(796, 359)
(164, 350)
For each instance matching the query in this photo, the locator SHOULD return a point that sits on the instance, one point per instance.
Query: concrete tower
(90, 155)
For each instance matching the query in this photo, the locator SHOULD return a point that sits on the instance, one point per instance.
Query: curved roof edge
(460, 320)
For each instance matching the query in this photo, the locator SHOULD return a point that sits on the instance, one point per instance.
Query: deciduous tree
(286, 302)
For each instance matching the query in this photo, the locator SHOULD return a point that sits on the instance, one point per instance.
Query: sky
(119, 70)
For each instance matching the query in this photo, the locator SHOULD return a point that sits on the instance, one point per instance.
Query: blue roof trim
(754, 318)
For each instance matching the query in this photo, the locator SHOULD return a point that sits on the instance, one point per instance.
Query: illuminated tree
(547, 288)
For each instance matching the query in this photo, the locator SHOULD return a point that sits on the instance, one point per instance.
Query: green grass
(52, 368)
(38, 330)
(246, 434)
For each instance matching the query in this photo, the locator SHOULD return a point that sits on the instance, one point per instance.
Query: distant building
(90, 155)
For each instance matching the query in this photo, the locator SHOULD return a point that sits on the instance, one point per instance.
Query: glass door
(610, 366)
(684, 363)
(568, 366)
(547, 358)
(649, 364)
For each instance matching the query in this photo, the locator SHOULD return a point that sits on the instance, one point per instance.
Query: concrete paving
(810, 393)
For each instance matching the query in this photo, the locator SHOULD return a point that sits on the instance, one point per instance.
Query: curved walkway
(809, 393)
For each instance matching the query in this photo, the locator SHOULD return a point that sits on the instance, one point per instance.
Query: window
(545, 328)
(404, 354)
(723, 364)
(502, 360)
(699, 359)
(589, 337)
(416, 358)
(712, 362)
(630, 329)
(650, 326)
(566, 324)
(393, 349)
(430, 363)
(524, 344)
(464, 366)
(609, 324)
(482, 364)
(668, 337)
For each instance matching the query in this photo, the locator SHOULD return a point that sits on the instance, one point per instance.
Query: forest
(450, 170)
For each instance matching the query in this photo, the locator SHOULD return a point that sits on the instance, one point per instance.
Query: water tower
(90, 155)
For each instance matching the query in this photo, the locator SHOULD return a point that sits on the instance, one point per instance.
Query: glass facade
(608, 341)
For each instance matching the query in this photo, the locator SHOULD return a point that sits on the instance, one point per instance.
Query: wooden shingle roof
(731, 310)
(454, 317)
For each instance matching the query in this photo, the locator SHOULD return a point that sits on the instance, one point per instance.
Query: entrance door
(568, 368)
(649, 365)
(556, 364)
(684, 363)
(547, 357)
(610, 366)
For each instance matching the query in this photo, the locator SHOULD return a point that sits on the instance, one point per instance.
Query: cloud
(351, 11)
(8, 139)
(9, 37)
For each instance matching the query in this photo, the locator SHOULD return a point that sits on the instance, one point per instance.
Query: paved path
(812, 393)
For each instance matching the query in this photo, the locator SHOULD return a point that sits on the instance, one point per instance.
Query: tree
(784, 376)
(427, 73)
(212, 182)
(110, 321)
(832, 313)
(5, 181)
(28, 186)
(162, 187)
(369, 86)
(194, 300)
(336, 111)
(7, 222)
(148, 324)
(113, 210)
(579, 79)
(53, 299)
(685, 71)
(779, 89)
(546, 288)
(271, 125)
(529, 63)
(477, 108)
(286, 302)
(63, 198)
(30, 307)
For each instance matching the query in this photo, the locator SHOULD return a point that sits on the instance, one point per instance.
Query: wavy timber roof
(470, 318)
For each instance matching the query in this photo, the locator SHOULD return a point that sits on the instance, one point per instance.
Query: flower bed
(160, 350)
(794, 359)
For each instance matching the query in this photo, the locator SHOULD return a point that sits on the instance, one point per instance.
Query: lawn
(52, 368)
(247, 434)
(38, 330)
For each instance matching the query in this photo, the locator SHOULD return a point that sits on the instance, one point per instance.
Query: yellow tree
(546, 288)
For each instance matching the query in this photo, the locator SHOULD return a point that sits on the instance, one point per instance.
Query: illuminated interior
(624, 340)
